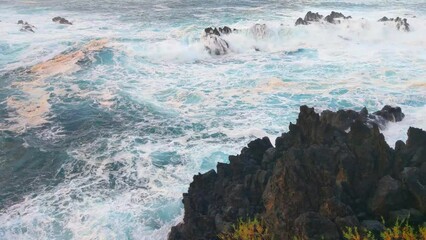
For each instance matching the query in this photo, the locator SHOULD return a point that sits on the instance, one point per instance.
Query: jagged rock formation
(310, 17)
(61, 20)
(317, 179)
(401, 24)
(333, 15)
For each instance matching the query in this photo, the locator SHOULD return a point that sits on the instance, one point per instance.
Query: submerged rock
(215, 45)
(213, 42)
(26, 27)
(61, 20)
(318, 179)
(259, 31)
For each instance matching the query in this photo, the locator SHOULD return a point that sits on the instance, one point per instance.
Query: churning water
(101, 141)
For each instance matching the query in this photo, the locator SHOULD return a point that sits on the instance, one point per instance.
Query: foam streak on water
(104, 145)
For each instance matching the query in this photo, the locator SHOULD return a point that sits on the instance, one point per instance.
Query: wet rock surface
(319, 178)
(400, 23)
(61, 20)
(26, 27)
(309, 17)
(213, 42)
(333, 17)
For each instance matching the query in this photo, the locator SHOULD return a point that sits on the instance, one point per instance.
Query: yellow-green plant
(251, 229)
(354, 234)
(422, 232)
(401, 230)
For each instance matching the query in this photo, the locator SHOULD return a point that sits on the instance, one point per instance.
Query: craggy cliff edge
(318, 178)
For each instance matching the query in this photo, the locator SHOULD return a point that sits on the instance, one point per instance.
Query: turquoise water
(105, 149)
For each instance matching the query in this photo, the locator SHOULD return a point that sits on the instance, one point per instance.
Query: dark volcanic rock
(333, 15)
(312, 17)
(317, 180)
(400, 23)
(218, 31)
(393, 114)
(61, 20)
(309, 17)
(343, 119)
(300, 21)
(388, 196)
(213, 42)
(235, 191)
(26, 27)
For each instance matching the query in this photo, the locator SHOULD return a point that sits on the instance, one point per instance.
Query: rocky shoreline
(329, 171)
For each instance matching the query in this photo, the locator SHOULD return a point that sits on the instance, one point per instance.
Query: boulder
(413, 216)
(414, 179)
(374, 226)
(388, 196)
(61, 20)
(392, 114)
(300, 21)
(306, 227)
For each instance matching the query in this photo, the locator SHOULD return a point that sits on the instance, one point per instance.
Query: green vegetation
(247, 230)
(255, 229)
(401, 230)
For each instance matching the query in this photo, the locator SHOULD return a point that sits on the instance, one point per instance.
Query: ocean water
(101, 142)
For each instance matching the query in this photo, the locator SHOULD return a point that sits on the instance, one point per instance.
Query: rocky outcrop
(213, 42)
(329, 171)
(400, 23)
(343, 119)
(310, 17)
(26, 27)
(61, 20)
(218, 31)
(335, 17)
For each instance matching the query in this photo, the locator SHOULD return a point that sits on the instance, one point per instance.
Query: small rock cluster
(400, 23)
(26, 27)
(310, 17)
(61, 20)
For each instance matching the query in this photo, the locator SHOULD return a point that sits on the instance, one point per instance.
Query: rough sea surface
(101, 142)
